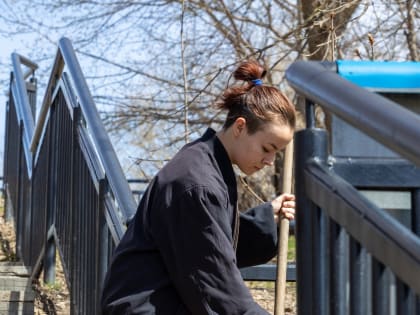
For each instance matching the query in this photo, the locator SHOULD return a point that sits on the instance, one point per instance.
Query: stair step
(14, 283)
(17, 302)
(17, 296)
(14, 270)
(17, 308)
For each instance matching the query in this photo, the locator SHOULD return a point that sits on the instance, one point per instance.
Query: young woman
(182, 251)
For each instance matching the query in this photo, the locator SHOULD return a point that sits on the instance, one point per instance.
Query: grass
(1, 205)
(291, 251)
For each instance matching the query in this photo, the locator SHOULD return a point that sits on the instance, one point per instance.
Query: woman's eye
(265, 150)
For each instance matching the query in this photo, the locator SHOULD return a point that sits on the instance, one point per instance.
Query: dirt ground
(54, 299)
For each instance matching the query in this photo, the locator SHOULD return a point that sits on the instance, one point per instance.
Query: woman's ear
(239, 126)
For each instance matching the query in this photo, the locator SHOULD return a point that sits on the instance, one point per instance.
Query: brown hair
(254, 101)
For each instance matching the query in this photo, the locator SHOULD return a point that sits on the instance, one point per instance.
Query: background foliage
(156, 66)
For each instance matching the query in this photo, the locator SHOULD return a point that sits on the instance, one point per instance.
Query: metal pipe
(380, 289)
(338, 268)
(24, 110)
(307, 146)
(415, 227)
(309, 114)
(22, 97)
(46, 103)
(358, 279)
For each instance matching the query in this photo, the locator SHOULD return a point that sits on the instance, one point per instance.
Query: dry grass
(51, 299)
(263, 293)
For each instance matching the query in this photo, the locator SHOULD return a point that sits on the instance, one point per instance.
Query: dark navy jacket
(181, 252)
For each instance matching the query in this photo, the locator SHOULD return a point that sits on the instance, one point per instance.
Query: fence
(64, 185)
(352, 257)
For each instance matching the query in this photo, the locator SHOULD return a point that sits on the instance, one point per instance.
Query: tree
(156, 66)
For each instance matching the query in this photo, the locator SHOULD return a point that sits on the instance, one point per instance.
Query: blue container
(382, 76)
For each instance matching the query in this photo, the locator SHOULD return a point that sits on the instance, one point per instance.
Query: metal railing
(352, 257)
(67, 193)
(64, 185)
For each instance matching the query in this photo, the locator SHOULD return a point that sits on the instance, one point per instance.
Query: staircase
(16, 294)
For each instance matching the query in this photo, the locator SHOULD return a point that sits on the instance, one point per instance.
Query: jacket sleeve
(193, 235)
(257, 242)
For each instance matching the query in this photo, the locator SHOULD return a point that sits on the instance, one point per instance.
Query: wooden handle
(280, 293)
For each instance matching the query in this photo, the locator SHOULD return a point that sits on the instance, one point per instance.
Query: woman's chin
(251, 171)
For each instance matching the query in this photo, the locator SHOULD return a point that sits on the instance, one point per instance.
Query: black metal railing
(64, 186)
(353, 257)
(66, 191)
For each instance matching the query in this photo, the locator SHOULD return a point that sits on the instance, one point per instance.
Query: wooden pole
(280, 293)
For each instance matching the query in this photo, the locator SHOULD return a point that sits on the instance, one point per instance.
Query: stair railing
(352, 257)
(64, 185)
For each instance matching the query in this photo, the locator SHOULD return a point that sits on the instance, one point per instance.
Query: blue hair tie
(257, 82)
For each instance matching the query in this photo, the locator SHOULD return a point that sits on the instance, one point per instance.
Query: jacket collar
(221, 156)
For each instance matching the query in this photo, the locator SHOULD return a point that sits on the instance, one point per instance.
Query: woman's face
(253, 152)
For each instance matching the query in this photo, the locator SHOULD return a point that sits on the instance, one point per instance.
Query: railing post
(50, 248)
(405, 299)
(380, 289)
(312, 292)
(102, 246)
(407, 302)
(415, 227)
(18, 205)
(31, 88)
(7, 202)
(49, 259)
(338, 269)
(359, 291)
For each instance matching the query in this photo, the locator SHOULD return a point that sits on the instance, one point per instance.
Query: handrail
(385, 121)
(346, 206)
(345, 244)
(66, 57)
(113, 171)
(19, 88)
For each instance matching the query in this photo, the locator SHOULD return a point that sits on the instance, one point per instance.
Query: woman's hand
(284, 206)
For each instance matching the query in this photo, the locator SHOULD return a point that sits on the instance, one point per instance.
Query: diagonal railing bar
(386, 239)
(21, 97)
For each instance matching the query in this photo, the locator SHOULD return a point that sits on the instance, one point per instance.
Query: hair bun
(249, 71)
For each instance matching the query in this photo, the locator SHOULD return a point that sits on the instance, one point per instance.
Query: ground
(54, 299)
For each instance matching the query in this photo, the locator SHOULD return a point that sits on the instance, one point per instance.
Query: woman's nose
(269, 160)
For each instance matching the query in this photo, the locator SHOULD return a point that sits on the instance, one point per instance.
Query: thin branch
(184, 74)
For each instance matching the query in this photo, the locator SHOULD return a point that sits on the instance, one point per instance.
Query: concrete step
(17, 302)
(14, 283)
(14, 269)
(16, 294)
(14, 277)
